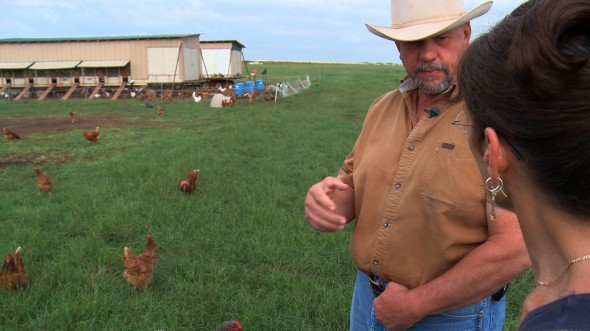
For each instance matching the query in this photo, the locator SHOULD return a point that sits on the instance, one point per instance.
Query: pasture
(237, 248)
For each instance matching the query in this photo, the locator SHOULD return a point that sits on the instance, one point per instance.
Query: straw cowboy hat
(420, 19)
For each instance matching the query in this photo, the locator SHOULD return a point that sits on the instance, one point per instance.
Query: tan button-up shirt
(419, 195)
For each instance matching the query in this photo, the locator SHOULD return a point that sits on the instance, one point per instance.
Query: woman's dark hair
(529, 79)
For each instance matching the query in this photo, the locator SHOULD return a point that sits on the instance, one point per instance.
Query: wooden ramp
(46, 92)
(23, 92)
(96, 90)
(70, 91)
(119, 91)
(4, 88)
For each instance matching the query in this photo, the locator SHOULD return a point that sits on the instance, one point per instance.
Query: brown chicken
(160, 110)
(138, 269)
(189, 183)
(44, 182)
(229, 103)
(269, 97)
(74, 116)
(13, 274)
(92, 136)
(10, 135)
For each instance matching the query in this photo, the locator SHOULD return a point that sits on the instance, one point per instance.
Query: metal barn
(41, 65)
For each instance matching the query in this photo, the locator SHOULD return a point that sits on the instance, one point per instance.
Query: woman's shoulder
(567, 313)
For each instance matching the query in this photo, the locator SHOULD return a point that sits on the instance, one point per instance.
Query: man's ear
(494, 155)
(467, 32)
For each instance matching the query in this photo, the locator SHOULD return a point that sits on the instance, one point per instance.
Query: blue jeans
(486, 315)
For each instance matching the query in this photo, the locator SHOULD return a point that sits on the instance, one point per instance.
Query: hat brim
(427, 30)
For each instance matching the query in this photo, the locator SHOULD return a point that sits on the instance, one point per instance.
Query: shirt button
(376, 262)
(411, 148)
(386, 224)
(398, 185)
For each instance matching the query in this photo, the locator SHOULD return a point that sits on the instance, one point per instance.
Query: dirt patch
(24, 126)
(37, 159)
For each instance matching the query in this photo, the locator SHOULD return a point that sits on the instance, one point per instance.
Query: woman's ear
(494, 155)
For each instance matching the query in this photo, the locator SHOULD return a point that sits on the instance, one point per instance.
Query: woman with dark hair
(526, 85)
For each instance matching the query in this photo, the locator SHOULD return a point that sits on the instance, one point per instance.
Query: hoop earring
(493, 191)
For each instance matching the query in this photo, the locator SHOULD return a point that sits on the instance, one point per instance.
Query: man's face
(433, 62)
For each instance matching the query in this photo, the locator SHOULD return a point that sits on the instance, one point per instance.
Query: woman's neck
(558, 246)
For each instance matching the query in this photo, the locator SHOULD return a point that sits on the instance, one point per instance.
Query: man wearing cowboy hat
(432, 252)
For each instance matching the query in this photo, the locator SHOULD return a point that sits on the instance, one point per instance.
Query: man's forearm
(479, 274)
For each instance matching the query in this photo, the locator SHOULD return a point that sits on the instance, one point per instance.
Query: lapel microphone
(432, 112)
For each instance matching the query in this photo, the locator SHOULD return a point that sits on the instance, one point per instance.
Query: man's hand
(328, 205)
(394, 307)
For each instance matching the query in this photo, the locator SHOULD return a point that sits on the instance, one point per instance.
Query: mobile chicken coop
(108, 66)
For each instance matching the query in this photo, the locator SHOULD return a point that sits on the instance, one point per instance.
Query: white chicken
(197, 98)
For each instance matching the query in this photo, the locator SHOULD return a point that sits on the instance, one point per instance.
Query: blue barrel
(249, 86)
(260, 85)
(239, 88)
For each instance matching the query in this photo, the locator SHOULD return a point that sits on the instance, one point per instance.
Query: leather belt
(377, 289)
(375, 286)
(501, 293)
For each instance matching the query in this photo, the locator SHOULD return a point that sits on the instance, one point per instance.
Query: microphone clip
(432, 112)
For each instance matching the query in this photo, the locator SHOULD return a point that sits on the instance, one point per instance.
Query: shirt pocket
(451, 181)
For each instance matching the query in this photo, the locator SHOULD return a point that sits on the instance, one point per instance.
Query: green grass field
(238, 248)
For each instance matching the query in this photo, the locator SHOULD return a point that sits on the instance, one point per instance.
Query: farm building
(35, 67)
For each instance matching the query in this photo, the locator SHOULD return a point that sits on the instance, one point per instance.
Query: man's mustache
(424, 67)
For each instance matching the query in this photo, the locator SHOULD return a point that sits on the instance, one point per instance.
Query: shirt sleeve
(345, 173)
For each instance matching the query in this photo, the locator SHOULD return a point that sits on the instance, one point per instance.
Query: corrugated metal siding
(216, 61)
(236, 62)
(162, 64)
(191, 64)
(220, 45)
(98, 50)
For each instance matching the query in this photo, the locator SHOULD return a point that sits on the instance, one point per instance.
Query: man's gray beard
(436, 89)
(443, 86)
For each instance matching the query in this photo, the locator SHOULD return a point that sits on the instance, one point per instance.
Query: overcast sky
(301, 30)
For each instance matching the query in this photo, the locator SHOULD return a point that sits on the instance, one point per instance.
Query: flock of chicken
(91, 136)
(138, 269)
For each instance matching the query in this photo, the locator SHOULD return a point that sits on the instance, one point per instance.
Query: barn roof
(51, 65)
(15, 65)
(107, 38)
(103, 64)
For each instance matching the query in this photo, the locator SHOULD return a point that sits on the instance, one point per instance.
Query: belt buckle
(375, 286)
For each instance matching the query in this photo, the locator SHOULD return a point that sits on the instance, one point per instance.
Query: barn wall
(191, 58)
(236, 63)
(216, 62)
(223, 57)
